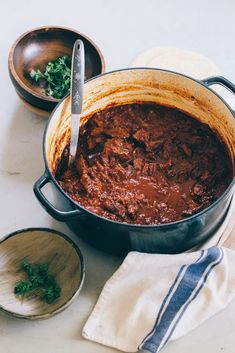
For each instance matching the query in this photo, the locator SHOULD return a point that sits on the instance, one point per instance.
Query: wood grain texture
(33, 109)
(35, 48)
(39, 246)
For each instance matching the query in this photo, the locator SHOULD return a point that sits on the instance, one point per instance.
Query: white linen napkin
(153, 299)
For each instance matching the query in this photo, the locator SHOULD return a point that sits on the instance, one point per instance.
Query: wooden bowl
(35, 110)
(35, 48)
(39, 245)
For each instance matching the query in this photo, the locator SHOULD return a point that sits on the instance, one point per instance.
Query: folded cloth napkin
(153, 299)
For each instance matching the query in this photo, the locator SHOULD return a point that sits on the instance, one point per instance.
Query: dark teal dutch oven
(129, 86)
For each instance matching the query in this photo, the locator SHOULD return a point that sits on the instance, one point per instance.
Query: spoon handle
(77, 83)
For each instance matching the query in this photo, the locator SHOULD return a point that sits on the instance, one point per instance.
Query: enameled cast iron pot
(133, 86)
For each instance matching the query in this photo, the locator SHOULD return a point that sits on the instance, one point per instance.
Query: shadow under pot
(129, 86)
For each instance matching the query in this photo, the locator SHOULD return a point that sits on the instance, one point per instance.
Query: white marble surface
(121, 29)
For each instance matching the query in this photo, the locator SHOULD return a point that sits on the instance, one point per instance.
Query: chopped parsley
(39, 283)
(55, 78)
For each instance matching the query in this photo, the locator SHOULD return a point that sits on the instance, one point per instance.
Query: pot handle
(62, 216)
(219, 80)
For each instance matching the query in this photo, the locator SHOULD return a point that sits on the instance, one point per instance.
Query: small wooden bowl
(39, 245)
(35, 48)
(33, 109)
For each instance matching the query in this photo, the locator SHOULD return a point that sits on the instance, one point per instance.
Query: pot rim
(147, 226)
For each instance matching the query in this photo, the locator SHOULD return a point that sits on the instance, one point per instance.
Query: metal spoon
(76, 94)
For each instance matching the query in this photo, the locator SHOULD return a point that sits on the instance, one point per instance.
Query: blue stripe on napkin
(170, 293)
(193, 280)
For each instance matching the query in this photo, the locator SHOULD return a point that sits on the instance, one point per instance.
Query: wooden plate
(39, 245)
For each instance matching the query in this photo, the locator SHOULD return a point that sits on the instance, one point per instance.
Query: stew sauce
(146, 164)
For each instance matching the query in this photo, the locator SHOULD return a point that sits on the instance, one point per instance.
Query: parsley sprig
(39, 282)
(56, 77)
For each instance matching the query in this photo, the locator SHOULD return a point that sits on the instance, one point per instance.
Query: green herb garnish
(56, 77)
(39, 282)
